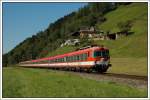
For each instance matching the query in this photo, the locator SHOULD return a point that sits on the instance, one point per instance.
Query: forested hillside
(39, 45)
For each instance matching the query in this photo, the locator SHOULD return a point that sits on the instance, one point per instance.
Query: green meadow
(29, 82)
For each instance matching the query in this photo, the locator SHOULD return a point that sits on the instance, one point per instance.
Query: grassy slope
(134, 45)
(131, 66)
(62, 50)
(128, 54)
(28, 82)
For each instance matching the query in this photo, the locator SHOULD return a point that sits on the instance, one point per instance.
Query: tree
(5, 60)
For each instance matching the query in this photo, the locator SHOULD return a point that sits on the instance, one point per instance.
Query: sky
(22, 20)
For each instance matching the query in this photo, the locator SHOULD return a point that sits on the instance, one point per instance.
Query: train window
(67, 58)
(74, 58)
(71, 58)
(64, 59)
(84, 56)
(97, 53)
(81, 56)
(50, 61)
(103, 53)
(78, 58)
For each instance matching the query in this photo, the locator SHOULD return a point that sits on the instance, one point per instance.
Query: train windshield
(104, 53)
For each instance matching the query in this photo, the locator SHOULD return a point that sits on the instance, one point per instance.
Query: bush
(125, 27)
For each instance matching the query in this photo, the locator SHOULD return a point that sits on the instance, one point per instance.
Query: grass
(131, 66)
(28, 82)
(135, 45)
(137, 12)
(62, 50)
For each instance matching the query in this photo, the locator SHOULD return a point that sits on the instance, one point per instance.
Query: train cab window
(97, 53)
(104, 53)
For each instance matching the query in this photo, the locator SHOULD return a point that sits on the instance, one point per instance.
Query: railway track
(112, 78)
(136, 77)
(131, 80)
(126, 76)
(116, 75)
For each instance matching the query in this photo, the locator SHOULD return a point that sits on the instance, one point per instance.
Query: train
(90, 58)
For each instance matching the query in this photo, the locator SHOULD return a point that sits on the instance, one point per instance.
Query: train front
(102, 59)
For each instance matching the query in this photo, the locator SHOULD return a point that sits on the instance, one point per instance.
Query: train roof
(69, 54)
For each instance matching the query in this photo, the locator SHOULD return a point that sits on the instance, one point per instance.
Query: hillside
(134, 45)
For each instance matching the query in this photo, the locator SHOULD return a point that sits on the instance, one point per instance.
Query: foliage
(125, 27)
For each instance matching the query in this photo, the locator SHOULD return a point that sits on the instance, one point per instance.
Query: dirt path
(131, 80)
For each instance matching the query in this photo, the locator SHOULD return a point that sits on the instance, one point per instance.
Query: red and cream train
(92, 58)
